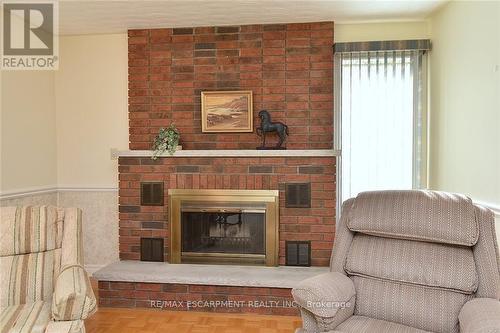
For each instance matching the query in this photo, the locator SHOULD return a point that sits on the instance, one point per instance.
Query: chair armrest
(329, 298)
(480, 315)
(73, 297)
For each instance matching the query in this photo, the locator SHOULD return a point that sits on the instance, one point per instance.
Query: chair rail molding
(90, 188)
(23, 192)
(30, 191)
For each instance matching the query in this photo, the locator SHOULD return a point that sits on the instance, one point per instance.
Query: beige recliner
(407, 262)
(43, 286)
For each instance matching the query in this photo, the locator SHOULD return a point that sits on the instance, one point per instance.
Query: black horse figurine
(267, 126)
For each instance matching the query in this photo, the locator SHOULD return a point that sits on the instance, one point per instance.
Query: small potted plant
(166, 140)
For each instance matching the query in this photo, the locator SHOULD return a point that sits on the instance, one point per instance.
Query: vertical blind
(380, 110)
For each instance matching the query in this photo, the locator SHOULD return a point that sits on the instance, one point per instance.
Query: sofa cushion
(419, 215)
(28, 277)
(361, 324)
(30, 229)
(25, 318)
(428, 309)
(446, 266)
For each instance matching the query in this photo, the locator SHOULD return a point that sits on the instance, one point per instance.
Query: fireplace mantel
(235, 153)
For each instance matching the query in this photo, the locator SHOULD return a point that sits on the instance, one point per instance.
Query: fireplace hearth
(224, 226)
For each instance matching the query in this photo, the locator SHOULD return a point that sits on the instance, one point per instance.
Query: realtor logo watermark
(30, 33)
(213, 304)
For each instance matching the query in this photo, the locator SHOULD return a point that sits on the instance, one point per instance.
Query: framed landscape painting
(226, 111)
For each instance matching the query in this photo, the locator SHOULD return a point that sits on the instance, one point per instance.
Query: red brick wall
(203, 298)
(287, 66)
(316, 223)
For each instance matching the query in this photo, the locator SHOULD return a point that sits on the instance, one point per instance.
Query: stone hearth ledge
(234, 153)
(218, 275)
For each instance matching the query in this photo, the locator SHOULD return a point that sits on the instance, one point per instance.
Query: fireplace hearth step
(217, 275)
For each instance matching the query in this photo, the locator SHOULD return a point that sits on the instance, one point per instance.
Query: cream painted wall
(57, 130)
(92, 118)
(28, 131)
(91, 104)
(360, 32)
(465, 100)
(68, 120)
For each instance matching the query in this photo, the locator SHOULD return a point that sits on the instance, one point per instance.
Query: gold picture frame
(226, 111)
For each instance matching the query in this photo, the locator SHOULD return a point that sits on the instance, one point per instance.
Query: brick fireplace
(288, 68)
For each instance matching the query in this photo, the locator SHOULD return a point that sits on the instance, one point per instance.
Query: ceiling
(97, 17)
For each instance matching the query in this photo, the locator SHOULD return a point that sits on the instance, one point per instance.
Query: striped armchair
(43, 286)
(407, 262)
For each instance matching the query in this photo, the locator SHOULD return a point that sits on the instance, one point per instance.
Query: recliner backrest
(413, 256)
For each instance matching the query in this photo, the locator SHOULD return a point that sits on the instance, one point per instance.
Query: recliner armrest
(480, 315)
(73, 297)
(323, 295)
(326, 294)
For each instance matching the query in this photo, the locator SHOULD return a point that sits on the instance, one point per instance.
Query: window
(380, 121)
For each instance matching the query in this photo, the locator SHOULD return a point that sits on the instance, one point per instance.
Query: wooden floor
(111, 320)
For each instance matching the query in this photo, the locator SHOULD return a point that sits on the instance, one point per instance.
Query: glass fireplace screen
(223, 229)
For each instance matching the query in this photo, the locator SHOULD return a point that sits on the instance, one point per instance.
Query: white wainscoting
(100, 222)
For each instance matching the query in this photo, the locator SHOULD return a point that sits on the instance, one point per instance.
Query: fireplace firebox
(223, 230)
(224, 226)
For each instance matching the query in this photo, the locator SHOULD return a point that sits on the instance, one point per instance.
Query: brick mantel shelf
(235, 153)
